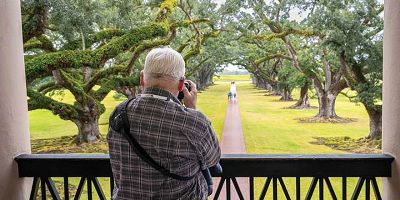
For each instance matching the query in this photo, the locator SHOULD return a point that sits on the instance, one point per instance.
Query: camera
(181, 95)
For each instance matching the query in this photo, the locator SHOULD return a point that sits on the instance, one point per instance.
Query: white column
(391, 97)
(14, 129)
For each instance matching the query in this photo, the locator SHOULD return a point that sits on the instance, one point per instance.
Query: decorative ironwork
(276, 169)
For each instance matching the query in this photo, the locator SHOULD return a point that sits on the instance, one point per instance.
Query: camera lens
(187, 85)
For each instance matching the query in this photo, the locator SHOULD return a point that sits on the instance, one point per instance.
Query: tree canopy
(90, 48)
(90, 56)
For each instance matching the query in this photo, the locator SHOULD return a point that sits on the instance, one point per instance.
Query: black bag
(120, 123)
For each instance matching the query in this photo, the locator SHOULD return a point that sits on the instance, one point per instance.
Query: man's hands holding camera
(190, 97)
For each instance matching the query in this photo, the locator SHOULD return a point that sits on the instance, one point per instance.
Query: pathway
(232, 142)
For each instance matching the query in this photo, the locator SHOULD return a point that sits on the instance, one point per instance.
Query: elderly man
(178, 138)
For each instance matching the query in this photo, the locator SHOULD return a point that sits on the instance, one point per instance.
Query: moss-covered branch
(102, 74)
(260, 72)
(42, 65)
(147, 44)
(194, 50)
(113, 83)
(129, 40)
(272, 56)
(40, 101)
(32, 44)
(34, 18)
(273, 25)
(183, 46)
(166, 8)
(74, 87)
(93, 38)
(290, 31)
(52, 88)
(200, 40)
(40, 42)
(187, 23)
(374, 14)
(192, 70)
(47, 44)
(45, 86)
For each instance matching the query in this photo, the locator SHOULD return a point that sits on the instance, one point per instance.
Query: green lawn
(277, 130)
(271, 129)
(229, 78)
(44, 124)
(213, 102)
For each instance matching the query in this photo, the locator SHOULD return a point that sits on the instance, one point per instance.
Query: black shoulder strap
(138, 149)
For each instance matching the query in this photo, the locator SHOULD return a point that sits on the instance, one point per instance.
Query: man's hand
(190, 98)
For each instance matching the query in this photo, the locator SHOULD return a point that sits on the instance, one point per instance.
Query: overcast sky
(294, 13)
(219, 1)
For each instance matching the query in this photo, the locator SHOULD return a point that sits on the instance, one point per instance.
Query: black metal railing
(274, 168)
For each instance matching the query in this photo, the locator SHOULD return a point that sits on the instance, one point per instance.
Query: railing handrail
(234, 165)
(72, 156)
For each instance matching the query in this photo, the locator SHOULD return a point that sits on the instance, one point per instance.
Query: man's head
(163, 68)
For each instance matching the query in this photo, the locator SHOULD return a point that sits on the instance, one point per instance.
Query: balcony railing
(320, 168)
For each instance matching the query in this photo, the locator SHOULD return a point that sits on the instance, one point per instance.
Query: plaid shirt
(178, 138)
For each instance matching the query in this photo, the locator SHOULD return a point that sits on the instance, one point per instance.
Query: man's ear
(181, 84)
(141, 78)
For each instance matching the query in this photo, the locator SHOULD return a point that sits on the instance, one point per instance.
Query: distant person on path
(178, 138)
(233, 89)
(229, 95)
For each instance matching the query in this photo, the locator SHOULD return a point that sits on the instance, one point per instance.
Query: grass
(360, 145)
(278, 130)
(65, 144)
(228, 78)
(270, 129)
(43, 124)
(212, 102)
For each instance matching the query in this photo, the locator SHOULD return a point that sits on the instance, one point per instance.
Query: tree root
(66, 144)
(353, 145)
(333, 120)
(300, 107)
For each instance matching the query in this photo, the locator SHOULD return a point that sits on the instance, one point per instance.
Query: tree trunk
(88, 130)
(327, 102)
(303, 101)
(129, 92)
(273, 89)
(286, 95)
(375, 122)
(88, 122)
(204, 80)
(253, 79)
(258, 82)
(374, 111)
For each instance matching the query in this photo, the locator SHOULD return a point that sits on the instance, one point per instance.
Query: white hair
(164, 61)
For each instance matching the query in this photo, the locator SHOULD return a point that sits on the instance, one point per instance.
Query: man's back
(177, 138)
